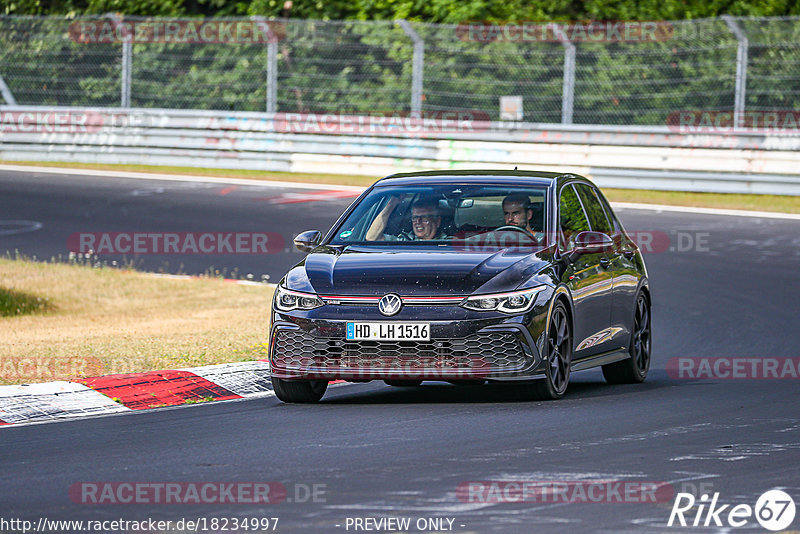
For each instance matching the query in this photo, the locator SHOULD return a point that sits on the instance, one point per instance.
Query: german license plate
(389, 331)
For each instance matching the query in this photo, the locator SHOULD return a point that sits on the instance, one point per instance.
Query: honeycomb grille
(489, 351)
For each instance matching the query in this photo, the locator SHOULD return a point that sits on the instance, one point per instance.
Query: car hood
(416, 271)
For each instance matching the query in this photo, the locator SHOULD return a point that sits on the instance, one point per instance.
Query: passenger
(518, 211)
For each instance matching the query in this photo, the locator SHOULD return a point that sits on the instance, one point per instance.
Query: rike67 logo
(774, 510)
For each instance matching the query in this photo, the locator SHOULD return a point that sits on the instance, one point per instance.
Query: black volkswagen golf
(465, 277)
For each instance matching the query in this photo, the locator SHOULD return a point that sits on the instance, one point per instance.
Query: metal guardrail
(628, 157)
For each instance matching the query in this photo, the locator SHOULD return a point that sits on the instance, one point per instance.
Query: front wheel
(633, 370)
(305, 391)
(559, 356)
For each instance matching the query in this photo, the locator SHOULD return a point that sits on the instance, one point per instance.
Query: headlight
(512, 302)
(286, 300)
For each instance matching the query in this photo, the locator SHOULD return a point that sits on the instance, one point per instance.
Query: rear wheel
(633, 370)
(305, 391)
(403, 383)
(559, 356)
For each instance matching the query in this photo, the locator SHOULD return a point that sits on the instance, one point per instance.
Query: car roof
(483, 176)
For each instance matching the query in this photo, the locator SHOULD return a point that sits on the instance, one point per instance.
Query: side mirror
(592, 243)
(307, 241)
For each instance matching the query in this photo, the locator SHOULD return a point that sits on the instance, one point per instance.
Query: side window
(597, 217)
(571, 217)
(538, 206)
(615, 224)
(400, 217)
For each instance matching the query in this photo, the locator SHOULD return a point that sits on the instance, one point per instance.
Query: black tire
(558, 358)
(403, 383)
(305, 391)
(633, 370)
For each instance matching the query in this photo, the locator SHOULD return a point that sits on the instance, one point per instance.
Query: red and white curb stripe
(135, 391)
(52, 400)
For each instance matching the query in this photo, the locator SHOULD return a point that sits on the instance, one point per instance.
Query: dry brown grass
(775, 203)
(124, 321)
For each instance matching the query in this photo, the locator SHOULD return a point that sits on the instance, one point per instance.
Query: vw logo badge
(390, 304)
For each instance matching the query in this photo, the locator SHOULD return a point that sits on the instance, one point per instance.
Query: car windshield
(496, 216)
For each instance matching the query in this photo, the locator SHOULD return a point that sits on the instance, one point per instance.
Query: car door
(626, 274)
(588, 278)
(599, 220)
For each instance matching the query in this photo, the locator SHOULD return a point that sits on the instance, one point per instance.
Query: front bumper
(502, 348)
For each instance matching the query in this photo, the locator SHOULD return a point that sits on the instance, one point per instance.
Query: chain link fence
(562, 74)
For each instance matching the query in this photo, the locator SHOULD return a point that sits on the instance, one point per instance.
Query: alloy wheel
(560, 349)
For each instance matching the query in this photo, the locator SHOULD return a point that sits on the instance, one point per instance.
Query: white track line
(198, 277)
(707, 211)
(178, 178)
(299, 185)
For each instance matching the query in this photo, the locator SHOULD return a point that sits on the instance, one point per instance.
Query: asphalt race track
(722, 287)
(70, 205)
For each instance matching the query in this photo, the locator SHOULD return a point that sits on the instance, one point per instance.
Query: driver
(426, 218)
(518, 212)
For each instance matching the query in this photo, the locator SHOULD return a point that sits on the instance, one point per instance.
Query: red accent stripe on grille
(404, 299)
(336, 297)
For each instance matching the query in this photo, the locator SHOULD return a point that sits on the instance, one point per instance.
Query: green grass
(774, 203)
(14, 303)
(198, 401)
